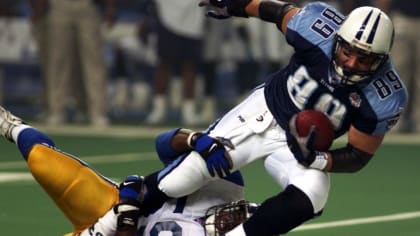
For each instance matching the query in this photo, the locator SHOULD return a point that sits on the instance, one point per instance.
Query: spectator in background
(179, 42)
(212, 42)
(38, 20)
(75, 43)
(348, 5)
(221, 46)
(9, 8)
(267, 51)
(268, 47)
(133, 59)
(406, 54)
(243, 49)
(16, 49)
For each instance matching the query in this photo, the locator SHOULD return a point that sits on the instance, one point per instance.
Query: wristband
(273, 10)
(320, 161)
(237, 8)
(127, 216)
(192, 137)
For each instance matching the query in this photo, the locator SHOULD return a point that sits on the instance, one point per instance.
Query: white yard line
(150, 156)
(359, 221)
(145, 131)
(15, 177)
(24, 176)
(97, 159)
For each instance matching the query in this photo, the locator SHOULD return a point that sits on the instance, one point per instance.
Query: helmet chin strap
(348, 76)
(343, 78)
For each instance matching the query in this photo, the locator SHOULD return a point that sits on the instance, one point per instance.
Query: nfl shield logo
(355, 99)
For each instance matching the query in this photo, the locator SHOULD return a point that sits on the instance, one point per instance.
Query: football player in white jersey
(184, 216)
(341, 66)
(85, 196)
(193, 215)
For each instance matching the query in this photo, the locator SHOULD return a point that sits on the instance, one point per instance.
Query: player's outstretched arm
(213, 150)
(277, 12)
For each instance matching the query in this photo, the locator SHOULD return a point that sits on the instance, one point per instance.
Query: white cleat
(7, 122)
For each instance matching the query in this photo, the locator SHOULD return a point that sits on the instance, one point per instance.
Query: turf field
(383, 199)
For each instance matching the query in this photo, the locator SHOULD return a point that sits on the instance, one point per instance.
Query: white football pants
(256, 135)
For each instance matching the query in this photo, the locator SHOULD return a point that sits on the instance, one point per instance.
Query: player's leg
(81, 193)
(304, 197)
(248, 126)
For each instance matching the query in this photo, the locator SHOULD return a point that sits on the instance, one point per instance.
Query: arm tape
(274, 11)
(349, 159)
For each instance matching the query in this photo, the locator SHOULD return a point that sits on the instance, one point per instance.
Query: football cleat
(7, 122)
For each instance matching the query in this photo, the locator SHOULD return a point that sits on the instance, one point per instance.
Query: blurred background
(71, 66)
(154, 62)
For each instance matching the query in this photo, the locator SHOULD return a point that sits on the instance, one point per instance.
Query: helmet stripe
(375, 26)
(363, 26)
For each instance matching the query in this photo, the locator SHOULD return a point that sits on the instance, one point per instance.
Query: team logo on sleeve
(391, 122)
(355, 99)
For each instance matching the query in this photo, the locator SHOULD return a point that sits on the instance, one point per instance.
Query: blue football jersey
(372, 107)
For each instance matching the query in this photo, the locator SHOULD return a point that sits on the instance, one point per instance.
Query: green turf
(388, 185)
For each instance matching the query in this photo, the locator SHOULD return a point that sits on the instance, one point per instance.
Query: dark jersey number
(168, 226)
(394, 80)
(322, 27)
(333, 16)
(385, 87)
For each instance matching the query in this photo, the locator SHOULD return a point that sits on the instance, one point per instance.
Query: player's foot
(7, 122)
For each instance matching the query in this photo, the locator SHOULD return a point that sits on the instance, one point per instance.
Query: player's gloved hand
(302, 147)
(131, 193)
(213, 151)
(222, 9)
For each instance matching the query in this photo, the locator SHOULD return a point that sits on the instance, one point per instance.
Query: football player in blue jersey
(341, 66)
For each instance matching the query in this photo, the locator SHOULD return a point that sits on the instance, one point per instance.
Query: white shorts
(256, 135)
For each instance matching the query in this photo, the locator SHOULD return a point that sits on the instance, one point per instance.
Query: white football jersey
(183, 216)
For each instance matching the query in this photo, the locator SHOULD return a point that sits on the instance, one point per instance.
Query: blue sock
(29, 137)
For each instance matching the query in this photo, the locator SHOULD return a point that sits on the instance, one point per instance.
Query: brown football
(324, 135)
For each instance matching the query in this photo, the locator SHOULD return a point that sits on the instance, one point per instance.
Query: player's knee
(316, 191)
(281, 213)
(191, 169)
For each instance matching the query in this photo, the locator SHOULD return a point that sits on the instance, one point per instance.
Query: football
(324, 135)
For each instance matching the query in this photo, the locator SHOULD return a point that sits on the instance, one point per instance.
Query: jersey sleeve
(164, 148)
(312, 25)
(387, 96)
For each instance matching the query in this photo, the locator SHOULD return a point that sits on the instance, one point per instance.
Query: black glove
(302, 147)
(222, 9)
(131, 193)
(213, 151)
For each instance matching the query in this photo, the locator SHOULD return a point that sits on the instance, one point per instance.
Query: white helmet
(369, 31)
